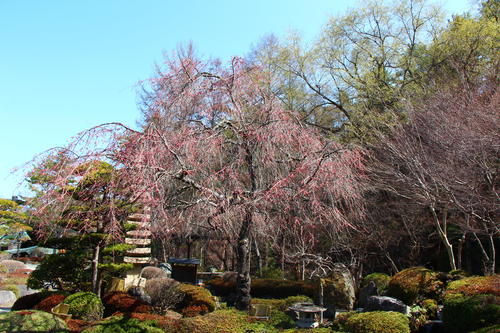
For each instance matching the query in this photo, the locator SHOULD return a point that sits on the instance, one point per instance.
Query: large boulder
(384, 303)
(369, 290)
(338, 290)
(7, 298)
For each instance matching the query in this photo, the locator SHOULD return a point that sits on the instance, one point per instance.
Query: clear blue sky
(67, 65)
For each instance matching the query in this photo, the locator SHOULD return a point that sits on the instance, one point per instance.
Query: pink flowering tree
(219, 152)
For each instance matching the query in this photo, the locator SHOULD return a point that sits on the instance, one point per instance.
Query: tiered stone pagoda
(141, 255)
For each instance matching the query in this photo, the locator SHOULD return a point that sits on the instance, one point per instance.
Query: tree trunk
(259, 257)
(492, 265)
(95, 269)
(460, 247)
(243, 280)
(441, 230)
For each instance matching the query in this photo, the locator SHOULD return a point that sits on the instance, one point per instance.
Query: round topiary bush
(475, 285)
(378, 321)
(124, 325)
(415, 283)
(463, 314)
(381, 280)
(30, 321)
(196, 300)
(85, 305)
(49, 302)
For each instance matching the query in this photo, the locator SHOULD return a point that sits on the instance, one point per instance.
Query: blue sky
(69, 65)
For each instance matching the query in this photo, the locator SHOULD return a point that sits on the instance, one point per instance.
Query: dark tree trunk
(243, 281)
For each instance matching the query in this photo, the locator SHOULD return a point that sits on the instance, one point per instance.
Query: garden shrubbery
(31, 321)
(151, 272)
(381, 280)
(85, 305)
(415, 283)
(123, 302)
(49, 302)
(196, 300)
(472, 303)
(378, 321)
(30, 301)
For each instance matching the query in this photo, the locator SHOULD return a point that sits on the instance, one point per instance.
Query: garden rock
(369, 290)
(385, 303)
(7, 298)
(338, 290)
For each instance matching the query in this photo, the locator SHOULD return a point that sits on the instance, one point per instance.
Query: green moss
(467, 313)
(431, 307)
(281, 304)
(475, 285)
(30, 321)
(378, 321)
(85, 305)
(124, 325)
(196, 298)
(381, 280)
(413, 284)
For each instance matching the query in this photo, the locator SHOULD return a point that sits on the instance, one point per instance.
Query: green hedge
(124, 325)
(463, 314)
(416, 283)
(267, 288)
(31, 321)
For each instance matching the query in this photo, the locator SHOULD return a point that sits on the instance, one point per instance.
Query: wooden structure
(308, 314)
(141, 254)
(184, 270)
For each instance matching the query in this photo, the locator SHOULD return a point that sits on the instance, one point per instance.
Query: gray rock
(384, 303)
(7, 298)
(369, 290)
(338, 290)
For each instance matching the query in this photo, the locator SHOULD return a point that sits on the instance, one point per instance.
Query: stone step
(139, 217)
(138, 241)
(137, 260)
(138, 251)
(139, 233)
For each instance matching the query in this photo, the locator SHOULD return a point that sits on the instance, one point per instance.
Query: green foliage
(13, 288)
(269, 288)
(280, 303)
(116, 269)
(381, 280)
(124, 325)
(13, 220)
(413, 284)
(272, 273)
(474, 285)
(378, 321)
(431, 308)
(220, 321)
(467, 313)
(3, 269)
(66, 270)
(85, 305)
(31, 321)
(117, 249)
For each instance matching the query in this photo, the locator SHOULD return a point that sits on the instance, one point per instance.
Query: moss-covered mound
(123, 302)
(378, 321)
(272, 288)
(124, 325)
(475, 285)
(85, 305)
(30, 321)
(381, 280)
(415, 283)
(220, 321)
(49, 302)
(196, 301)
(281, 304)
(472, 303)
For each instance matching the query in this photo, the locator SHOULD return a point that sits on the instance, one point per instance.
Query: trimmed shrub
(164, 293)
(269, 288)
(381, 281)
(220, 321)
(85, 305)
(123, 302)
(30, 301)
(475, 285)
(196, 300)
(151, 272)
(467, 313)
(124, 325)
(414, 283)
(30, 321)
(378, 321)
(49, 302)
(12, 287)
(281, 304)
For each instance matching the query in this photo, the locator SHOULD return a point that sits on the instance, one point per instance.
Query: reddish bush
(76, 325)
(30, 301)
(48, 303)
(195, 310)
(123, 302)
(161, 320)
